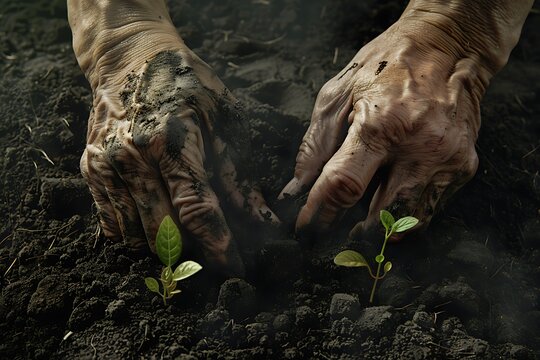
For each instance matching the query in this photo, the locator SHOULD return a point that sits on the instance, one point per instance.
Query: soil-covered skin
(467, 288)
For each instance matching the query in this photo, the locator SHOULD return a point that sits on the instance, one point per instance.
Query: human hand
(160, 118)
(406, 106)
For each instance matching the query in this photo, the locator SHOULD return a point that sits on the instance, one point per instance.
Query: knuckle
(344, 188)
(199, 217)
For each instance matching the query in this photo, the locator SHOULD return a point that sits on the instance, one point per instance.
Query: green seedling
(169, 249)
(351, 258)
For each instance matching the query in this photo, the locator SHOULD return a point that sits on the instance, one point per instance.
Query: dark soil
(467, 288)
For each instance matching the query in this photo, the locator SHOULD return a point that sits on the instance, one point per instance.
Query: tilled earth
(467, 288)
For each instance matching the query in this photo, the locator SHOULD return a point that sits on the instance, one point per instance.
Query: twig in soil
(498, 270)
(4, 239)
(443, 304)
(44, 154)
(273, 41)
(226, 34)
(65, 122)
(10, 266)
(96, 236)
(233, 65)
(336, 54)
(93, 347)
(521, 105)
(144, 338)
(261, 2)
(435, 314)
(531, 152)
(67, 336)
(33, 109)
(404, 307)
(448, 349)
(486, 242)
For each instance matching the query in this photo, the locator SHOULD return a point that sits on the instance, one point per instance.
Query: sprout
(169, 249)
(351, 258)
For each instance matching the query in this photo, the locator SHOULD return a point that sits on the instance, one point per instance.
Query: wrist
(108, 47)
(484, 31)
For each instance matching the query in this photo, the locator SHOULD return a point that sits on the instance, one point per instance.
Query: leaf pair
(392, 226)
(351, 258)
(169, 249)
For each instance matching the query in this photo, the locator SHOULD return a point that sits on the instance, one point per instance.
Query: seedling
(169, 249)
(351, 258)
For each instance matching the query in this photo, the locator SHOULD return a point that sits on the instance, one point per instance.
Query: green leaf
(404, 224)
(379, 258)
(185, 270)
(152, 284)
(168, 242)
(387, 219)
(387, 266)
(166, 274)
(350, 258)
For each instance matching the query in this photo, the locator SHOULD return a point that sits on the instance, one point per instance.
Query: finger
(400, 193)
(343, 181)
(244, 196)
(125, 208)
(146, 188)
(326, 131)
(106, 212)
(182, 167)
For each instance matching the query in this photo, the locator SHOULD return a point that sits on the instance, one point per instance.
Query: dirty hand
(160, 117)
(406, 107)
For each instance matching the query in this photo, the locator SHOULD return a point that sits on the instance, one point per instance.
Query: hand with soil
(407, 107)
(160, 119)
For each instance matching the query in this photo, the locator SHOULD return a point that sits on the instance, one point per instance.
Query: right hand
(160, 116)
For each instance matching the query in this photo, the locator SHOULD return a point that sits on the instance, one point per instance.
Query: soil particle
(423, 319)
(85, 313)
(464, 298)
(214, 320)
(344, 305)
(50, 300)
(377, 320)
(282, 323)
(306, 317)
(117, 311)
(396, 291)
(238, 297)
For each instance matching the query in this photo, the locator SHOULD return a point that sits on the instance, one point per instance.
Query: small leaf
(387, 266)
(168, 242)
(186, 269)
(176, 292)
(379, 258)
(387, 219)
(152, 284)
(404, 224)
(172, 286)
(350, 258)
(166, 274)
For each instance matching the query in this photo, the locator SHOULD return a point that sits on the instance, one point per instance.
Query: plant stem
(386, 237)
(375, 284)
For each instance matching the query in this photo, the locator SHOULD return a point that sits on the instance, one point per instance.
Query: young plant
(169, 249)
(351, 258)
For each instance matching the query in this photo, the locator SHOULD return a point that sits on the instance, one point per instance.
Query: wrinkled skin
(407, 106)
(160, 118)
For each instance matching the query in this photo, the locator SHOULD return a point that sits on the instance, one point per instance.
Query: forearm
(117, 36)
(486, 29)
